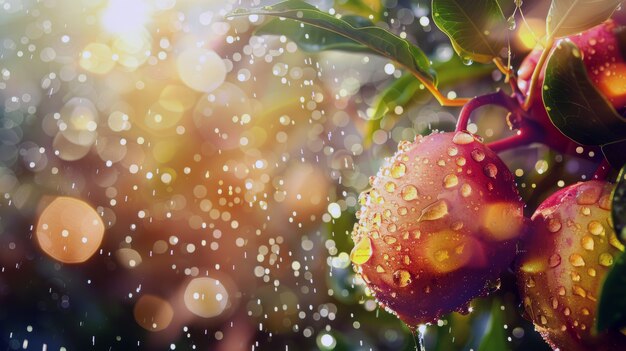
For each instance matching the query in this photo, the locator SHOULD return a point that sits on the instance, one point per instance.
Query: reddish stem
(523, 137)
(602, 171)
(498, 98)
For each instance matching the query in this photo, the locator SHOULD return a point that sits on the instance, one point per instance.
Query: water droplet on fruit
(561, 291)
(530, 283)
(591, 272)
(401, 278)
(587, 194)
(579, 291)
(466, 190)
(380, 269)
(543, 320)
(390, 187)
(453, 151)
(554, 260)
(450, 181)
(461, 161)
(605, 259)
(555, 303)
(398, 170)
(595, 228)
(390, 239)
(462, 138)
(553, 225)
(362, 251)
(409, 193)
(587, 243)
(478, 155)
(586, 211)
(490, 170)
(442, 255)
(434, 211)
(576, 260)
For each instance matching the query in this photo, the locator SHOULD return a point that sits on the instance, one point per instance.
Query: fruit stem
(602, 171)
(535, 77)
(499, 98)
(524, 136)
(443, 101)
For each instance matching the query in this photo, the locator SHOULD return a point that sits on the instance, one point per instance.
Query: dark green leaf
(377, 40)
(573, 103)
(314, 39)
(477, 29)
(567, 17)
(618, 206)
(614, 153)
(612, 304)
(495, 338)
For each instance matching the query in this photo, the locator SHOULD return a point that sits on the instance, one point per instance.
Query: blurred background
(225, 168)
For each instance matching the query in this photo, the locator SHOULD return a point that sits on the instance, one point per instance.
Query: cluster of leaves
(479, 31)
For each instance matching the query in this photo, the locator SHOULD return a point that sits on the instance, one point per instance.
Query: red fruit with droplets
(564, 262)
(440, 223)
(605, 66)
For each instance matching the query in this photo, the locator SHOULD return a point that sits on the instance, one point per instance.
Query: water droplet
(591, 272)
(380, 269)
(511, 22)
(553, 225)
(561, 291)
(390, 239)
(362, 251)
(478, 155)
(587, 243)
(555, 303)
(462, 138)
(398, 170)
(595, 228)
(605, 259)
(390, 187)
(554, 260)
(490, 170)
(467, 61)
(453, 151)
(579, 291)
(530, 283)
(401, 278)
(450, 181)
(434, 211)
(442, 255)
(466, 190)
(461, 161)
(409, 193)
(588, 194)
(576, 260)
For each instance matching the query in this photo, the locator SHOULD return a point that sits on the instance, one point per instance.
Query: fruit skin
(440, 222)
(565, 258)
(601, 55)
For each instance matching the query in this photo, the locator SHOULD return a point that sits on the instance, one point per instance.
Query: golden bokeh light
(69, 230)
(206, 297)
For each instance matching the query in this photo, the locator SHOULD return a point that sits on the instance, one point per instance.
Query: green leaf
(495, 338)
(573, 103)
(618, 205)
(365, 8)
(314, 39)
(567, 17)
(477, 29)
(407, 89)
(614, 153)
(377, 40)
(612, 304)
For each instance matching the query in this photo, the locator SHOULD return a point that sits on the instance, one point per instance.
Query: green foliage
(377, 40)
(618, 205)
(495, 338)
(567, 17)
(477, 29)
(315, 39)
(573, 103)
(612, 304)
(365, 8)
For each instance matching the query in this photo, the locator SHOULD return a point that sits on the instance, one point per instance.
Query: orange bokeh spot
(153, 313)
(69, 230)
